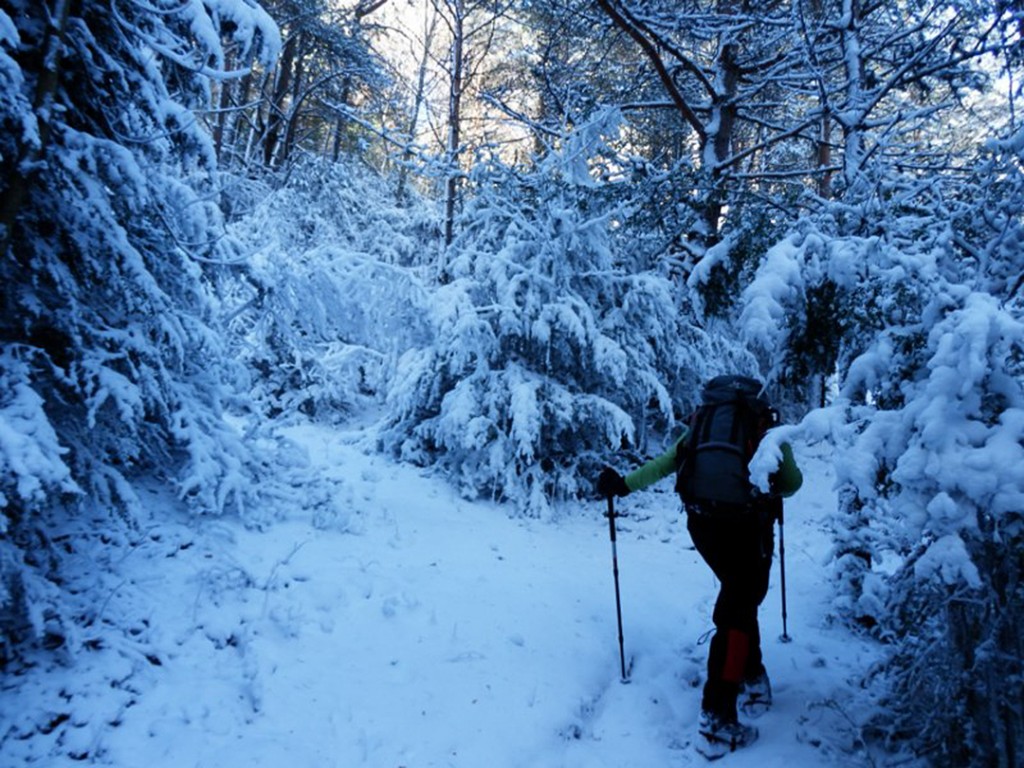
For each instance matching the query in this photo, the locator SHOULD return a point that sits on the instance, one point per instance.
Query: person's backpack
(725, 431)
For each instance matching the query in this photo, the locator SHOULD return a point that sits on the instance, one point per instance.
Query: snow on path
(408, 627)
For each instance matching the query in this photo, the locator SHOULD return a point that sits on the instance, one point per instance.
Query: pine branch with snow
(111, 236)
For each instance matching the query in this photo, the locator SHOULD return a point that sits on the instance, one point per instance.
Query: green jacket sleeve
(655, 469)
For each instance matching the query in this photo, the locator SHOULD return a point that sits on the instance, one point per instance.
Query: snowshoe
(756, 696)
(717, 737)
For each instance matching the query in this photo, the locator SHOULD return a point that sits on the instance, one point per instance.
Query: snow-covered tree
(109, 236)
(546, 354)
(929, 430)
(325, 82)
(332, 294)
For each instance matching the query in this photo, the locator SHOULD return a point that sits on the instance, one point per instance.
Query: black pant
(738, 546)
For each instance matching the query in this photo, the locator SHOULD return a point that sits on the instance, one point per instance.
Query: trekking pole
(782, 571)
(618, 600)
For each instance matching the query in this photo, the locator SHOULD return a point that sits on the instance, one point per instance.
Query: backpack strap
(686, 453)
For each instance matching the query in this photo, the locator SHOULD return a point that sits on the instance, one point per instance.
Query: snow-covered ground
(396, 624)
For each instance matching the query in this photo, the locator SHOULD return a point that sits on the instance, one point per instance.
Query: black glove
(610, 483)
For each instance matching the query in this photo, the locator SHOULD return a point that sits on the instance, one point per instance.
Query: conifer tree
(110, 238)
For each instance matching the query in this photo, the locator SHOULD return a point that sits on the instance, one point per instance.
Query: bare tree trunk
(219, 128)
(339, 124)
(821, 156)
(429, 31)
(824, 158)
(853, 148)
(454, 118)
(282, 86)
(291, 123)
(717, 147)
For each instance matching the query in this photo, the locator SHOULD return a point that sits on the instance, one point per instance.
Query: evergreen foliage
(332, 294)
(111, 366)
(546, 354)
(930, 427)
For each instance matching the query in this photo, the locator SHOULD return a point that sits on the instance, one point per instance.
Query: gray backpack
(725, 431)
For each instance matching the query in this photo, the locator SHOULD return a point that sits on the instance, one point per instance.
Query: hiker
(731, 525)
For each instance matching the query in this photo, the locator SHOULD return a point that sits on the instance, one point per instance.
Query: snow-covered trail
(408, 627)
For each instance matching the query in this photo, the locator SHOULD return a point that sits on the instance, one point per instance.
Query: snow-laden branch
(200, 24)
(658, 63)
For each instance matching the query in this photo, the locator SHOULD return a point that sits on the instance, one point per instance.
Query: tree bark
(454, 119)
(282, 85)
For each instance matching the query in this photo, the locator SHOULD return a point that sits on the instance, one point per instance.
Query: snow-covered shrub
(329, 299)
(342, 204)
(946, 505)
(929, 432)
(110, 234)
(322, 332)
(546, 355)
(957, 497)
(817, 299)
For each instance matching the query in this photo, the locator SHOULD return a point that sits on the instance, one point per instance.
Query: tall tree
(110, 238)
(887, 75)
(722, 66)
(325, 82)
(472, 27)
(761, 90)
